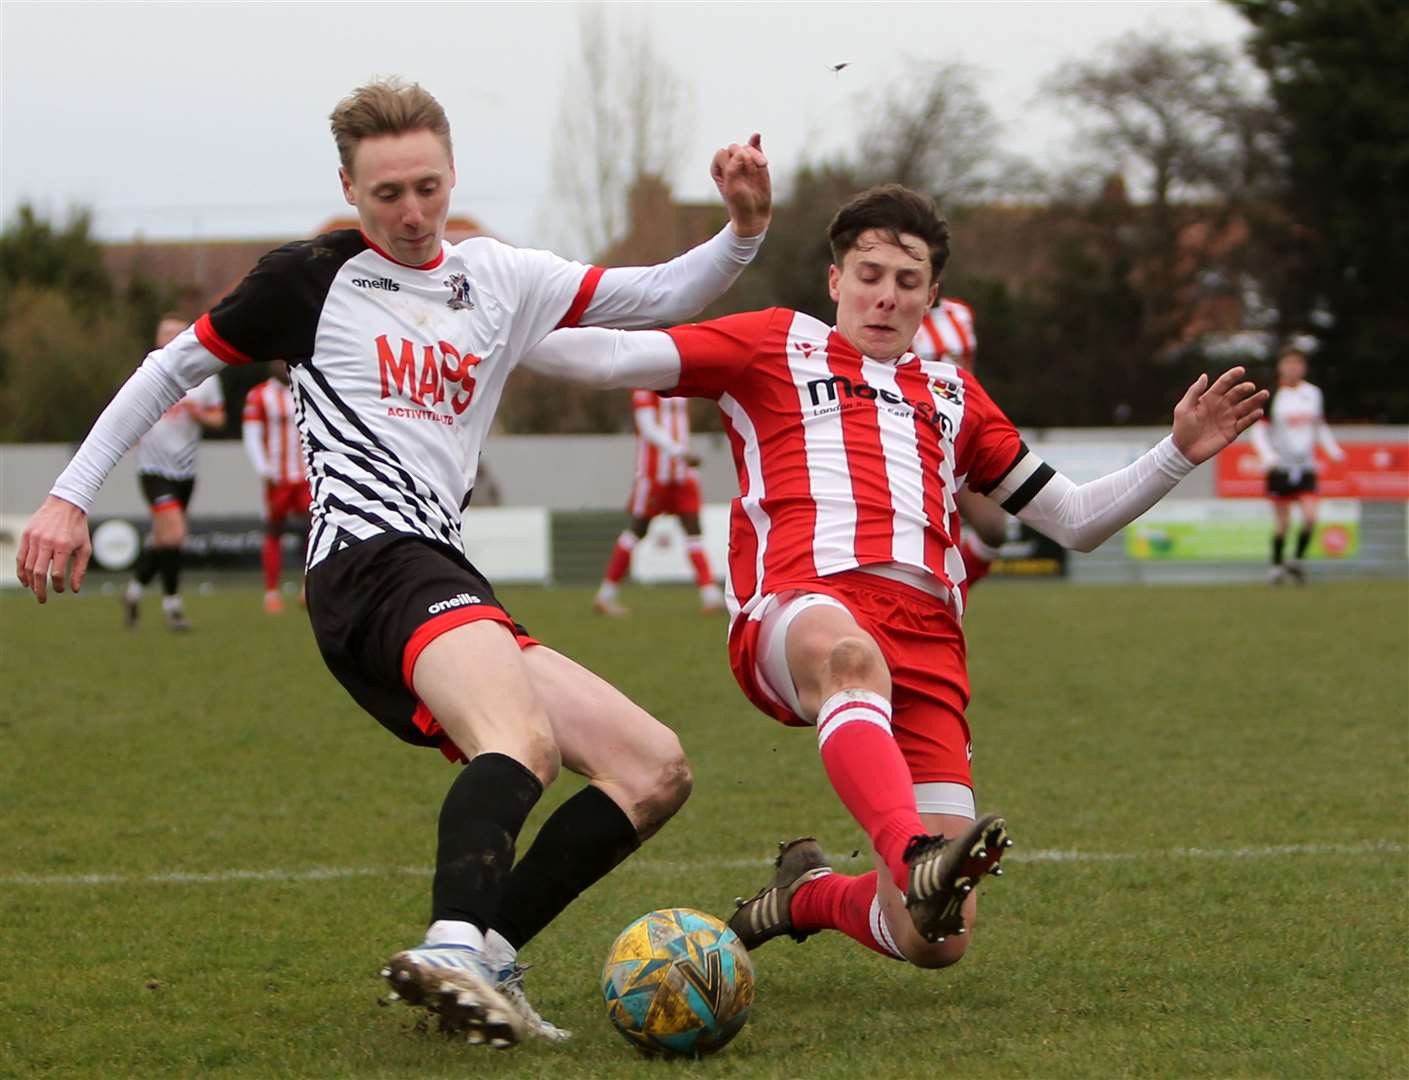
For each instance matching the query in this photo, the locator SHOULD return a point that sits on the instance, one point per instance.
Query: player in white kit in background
(665, 483)
(166, 471)
(1286, 441)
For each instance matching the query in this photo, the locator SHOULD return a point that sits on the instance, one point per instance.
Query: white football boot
(457, 983)
(508, 980)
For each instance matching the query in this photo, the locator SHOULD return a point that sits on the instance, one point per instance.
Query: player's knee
(664, 785)
(542, 757)
(937, 954)
(855, 661)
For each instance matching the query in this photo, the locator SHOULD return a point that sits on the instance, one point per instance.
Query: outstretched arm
(54, 548)
(638, 297)
(1082, 517)
(608, 359)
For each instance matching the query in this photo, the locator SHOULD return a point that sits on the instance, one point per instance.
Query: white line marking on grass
(339, 873)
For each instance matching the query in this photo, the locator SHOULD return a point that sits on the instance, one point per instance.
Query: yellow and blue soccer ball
(678, 983)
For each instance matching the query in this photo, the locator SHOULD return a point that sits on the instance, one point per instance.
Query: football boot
(766, 914)
(457, 984)
(944, 871)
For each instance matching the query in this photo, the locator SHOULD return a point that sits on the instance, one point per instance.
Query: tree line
(1221, 203)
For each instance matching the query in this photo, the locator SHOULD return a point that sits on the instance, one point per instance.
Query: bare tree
(938, 136)
(622, 116)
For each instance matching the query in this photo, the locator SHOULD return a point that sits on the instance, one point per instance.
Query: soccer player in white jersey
(1286, 444)
(399, 344)
(843, 577)
(665, 483)
(270, 433)
(166, 470)
(947, 335)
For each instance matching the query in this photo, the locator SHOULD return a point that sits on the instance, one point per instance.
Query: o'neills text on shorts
(461, 600)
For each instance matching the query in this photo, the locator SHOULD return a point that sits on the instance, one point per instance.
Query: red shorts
(650, 498)
(281, 500)
(923, 645)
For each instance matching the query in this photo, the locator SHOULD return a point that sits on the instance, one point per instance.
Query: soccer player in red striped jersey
(665, 483)
(271, 440)
(843, 578)
(947, 335)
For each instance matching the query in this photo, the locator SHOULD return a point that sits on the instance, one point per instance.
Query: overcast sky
(210, 119)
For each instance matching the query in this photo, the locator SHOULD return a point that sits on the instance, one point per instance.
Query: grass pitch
(208, 851)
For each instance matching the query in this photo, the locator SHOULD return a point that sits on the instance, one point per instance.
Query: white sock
(453, 932)
(497, 946)
(606, 590)
(171, 603)
(133, 592)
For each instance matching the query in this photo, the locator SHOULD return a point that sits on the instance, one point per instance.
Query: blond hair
(386, 107)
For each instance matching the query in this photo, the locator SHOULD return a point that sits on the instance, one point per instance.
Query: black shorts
(162, 491)
(374, 606)
(1284, 484)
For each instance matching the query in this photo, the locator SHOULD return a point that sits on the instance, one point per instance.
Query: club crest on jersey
(946, 390)
(459, 286)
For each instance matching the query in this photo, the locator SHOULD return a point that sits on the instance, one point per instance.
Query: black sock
(1278, 542)
(483, 812)
(578, 845)
(169, 562)
(146, 567)
(1303, 541)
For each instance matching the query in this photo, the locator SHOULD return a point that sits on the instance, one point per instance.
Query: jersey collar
(439, 255)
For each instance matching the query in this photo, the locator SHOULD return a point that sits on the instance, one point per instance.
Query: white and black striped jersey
(170, 448)
(396, 370)
(1294, 425)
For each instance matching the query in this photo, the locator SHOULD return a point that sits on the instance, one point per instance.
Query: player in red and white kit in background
(166, 470)
(843, 577)
(947, 334)
(270, 432)
(1286, 444)
(666, 483)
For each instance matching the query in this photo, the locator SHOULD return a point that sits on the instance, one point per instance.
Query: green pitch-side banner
(1228, 530)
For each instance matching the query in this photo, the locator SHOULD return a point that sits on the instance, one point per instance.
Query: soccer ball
(678, 983)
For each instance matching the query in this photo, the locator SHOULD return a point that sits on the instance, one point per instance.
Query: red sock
(620, 561)
(273, 559)
(848, 904)
(694, 547)
(869, 773)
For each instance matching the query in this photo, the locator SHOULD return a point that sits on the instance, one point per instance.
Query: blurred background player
(270, 433)
(166, 470)
(947, 334)
(666, 483)
(1286, 444)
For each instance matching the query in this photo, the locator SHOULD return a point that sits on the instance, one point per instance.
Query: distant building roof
(202, 271)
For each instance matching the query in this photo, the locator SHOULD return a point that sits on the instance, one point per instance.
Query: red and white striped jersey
(269, 409)
(844, 461)
(947, 333)
(662, 437)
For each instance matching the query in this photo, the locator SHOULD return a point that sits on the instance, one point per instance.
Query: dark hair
(893, 209)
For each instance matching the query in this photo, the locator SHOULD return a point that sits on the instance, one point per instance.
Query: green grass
(1123, 721)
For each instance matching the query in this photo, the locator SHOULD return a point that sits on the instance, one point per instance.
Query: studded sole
(464, 1002)
(940, 886)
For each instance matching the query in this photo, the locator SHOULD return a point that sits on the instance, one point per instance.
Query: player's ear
(833, 280)
(934, 295)
(346, 180)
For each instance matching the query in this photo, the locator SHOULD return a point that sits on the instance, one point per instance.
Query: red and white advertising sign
(1371, 470)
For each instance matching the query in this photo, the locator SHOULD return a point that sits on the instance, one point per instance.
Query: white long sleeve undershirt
(252, 435)
(649, 427)
(608, 359)
(639, 297)
(1084, 516)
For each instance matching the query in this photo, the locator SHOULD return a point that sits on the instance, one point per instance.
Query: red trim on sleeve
(216, 345)
(584, 295)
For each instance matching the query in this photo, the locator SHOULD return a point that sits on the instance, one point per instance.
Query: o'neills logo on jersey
(383, 283)
(463, 599)
(428, 376)
(832, 390)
